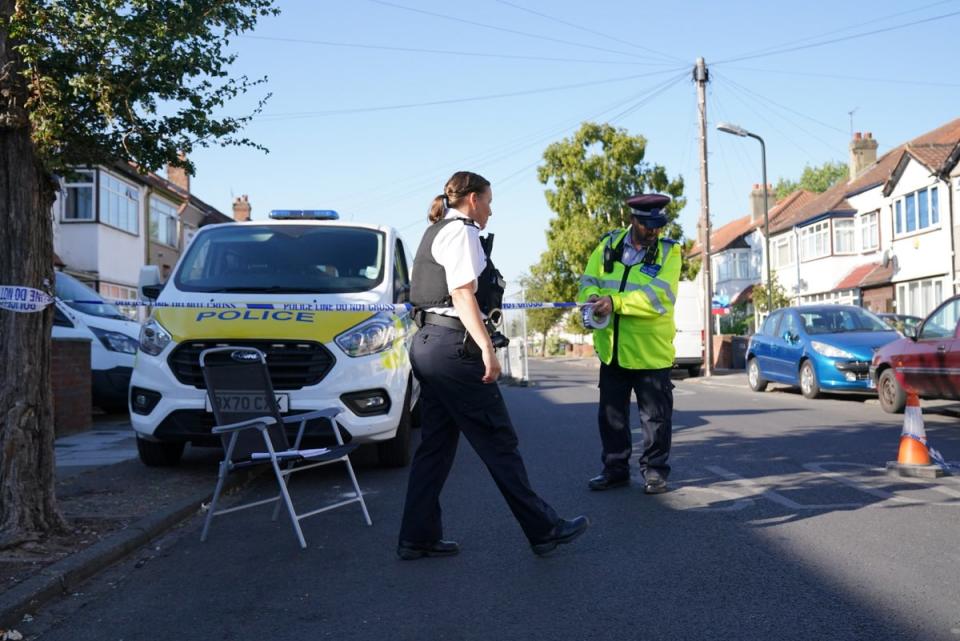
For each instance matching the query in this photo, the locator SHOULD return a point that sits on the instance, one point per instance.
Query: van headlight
(373, 335)
(829, 350)
(153, 337)
(115, 341)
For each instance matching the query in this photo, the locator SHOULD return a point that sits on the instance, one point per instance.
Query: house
(737, 248)
(109, 220)
(883, 238)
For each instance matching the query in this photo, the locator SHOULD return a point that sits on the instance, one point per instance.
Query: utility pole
(701, 77)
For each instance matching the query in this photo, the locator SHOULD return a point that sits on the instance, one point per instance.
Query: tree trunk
(543, 346)
(28, 507)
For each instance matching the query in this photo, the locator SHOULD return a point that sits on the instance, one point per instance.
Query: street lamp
(730, 128)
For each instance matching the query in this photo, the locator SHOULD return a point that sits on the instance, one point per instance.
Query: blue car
(818, 347)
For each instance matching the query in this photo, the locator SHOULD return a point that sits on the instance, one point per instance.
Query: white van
(261, 279)
(688, 316)
(113, 339)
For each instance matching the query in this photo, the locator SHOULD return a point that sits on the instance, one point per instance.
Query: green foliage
(538, 288)
(816, 179)
(137, 80)
(589, 177)
(760, 299)
(690, 266)
(737, 322)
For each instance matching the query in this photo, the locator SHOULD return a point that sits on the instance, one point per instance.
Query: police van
(267, 284)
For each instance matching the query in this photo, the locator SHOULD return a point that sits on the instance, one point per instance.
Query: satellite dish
(887, 256)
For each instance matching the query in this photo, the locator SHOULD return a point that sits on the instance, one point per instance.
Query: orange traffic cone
(913, 458)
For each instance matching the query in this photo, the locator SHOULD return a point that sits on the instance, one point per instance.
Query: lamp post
(729, 128)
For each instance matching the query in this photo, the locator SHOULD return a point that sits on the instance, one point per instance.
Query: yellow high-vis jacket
(640, 334)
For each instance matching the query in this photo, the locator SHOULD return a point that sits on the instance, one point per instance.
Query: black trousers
(454, 400)
(654, 392)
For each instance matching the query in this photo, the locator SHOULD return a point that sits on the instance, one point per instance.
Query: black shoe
(411, 551)
(563, 532)
(608, 482)
(655, 485)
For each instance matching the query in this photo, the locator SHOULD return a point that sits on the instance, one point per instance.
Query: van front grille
(292, 364)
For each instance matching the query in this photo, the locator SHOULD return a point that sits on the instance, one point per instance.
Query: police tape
(945, 465)
(27, 299)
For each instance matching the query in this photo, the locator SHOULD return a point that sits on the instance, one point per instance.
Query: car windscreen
(310, 259)
(70, 290)
(834, 321)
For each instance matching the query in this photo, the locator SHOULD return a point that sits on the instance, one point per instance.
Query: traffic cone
(913, 458)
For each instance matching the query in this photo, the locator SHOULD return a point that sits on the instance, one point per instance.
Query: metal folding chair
(253, 432)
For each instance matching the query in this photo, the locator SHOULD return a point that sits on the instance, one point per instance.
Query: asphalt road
(781, 525)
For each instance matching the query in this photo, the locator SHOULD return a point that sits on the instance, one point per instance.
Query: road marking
(823, 468)
(773, 495)
(682, 492)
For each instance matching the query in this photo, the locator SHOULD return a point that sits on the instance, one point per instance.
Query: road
(781, 525)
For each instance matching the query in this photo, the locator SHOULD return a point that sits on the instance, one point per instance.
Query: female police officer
(453, 284)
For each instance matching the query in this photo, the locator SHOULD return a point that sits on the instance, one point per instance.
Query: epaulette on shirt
(669, 241)
(469, 222)
(610, 235)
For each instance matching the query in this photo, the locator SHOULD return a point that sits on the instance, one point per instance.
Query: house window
(919, 297)
(163, 222)
(78, 204)
(917, 211)
(119, 204)
(742, 270)
(870, 231)
(815, 241)
(843, 236)
(119, 292)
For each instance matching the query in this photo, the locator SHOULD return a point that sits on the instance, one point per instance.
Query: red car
(926, 361)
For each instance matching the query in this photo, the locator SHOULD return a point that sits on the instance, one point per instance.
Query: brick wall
(70, 377)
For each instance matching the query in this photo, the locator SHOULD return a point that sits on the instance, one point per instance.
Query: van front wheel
(396, 451)
(159, 454)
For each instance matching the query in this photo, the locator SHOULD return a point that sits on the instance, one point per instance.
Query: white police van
(263, 281)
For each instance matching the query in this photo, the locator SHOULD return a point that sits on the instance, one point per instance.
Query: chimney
(178, 175)
(863, 153)
(756, 202)
(241, 209)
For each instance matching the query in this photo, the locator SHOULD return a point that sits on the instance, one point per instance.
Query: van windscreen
(310, 259)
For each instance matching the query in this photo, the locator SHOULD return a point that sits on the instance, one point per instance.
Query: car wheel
(757, 382)
(809, 385)
(159, 454)
(693, 371)
(396, 451)
(892, 396)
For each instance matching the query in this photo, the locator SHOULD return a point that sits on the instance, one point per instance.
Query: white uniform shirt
(457, 248)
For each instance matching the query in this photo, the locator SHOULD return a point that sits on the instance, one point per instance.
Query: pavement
(115, 502)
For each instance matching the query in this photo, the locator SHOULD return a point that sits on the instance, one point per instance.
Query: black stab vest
(428, 281)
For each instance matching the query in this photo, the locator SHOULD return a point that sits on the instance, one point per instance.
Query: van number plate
(241, 402)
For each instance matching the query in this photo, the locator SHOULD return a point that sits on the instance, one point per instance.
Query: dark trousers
(654, 392)
(454, 400)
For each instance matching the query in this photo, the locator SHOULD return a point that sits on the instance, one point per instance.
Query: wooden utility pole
(701, 76)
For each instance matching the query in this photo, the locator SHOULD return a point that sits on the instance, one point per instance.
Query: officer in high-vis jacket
(455, 289)
(633, 275)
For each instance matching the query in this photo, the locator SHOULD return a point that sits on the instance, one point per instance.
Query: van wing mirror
(149, 283)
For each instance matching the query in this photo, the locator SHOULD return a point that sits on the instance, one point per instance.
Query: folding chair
(253, 431)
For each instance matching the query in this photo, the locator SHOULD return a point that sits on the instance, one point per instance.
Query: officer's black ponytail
(460, 185)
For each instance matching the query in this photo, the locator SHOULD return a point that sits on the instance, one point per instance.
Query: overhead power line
(784, 107)
(502, 29)
(823, 43)
(592, 31)
(451, 101)
(858, 25)
(843, 77)
(448, 52)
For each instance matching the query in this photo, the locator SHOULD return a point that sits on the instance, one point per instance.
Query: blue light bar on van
(304, 214)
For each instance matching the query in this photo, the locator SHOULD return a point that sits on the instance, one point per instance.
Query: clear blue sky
(385, 165)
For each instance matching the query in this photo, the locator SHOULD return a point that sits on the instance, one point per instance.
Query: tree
(589, 177)
(538, 288)
(760, 299)
(691, 266)
(89, 82)
(816, 179)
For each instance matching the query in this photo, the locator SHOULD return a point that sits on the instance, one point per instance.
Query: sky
(375, 103)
